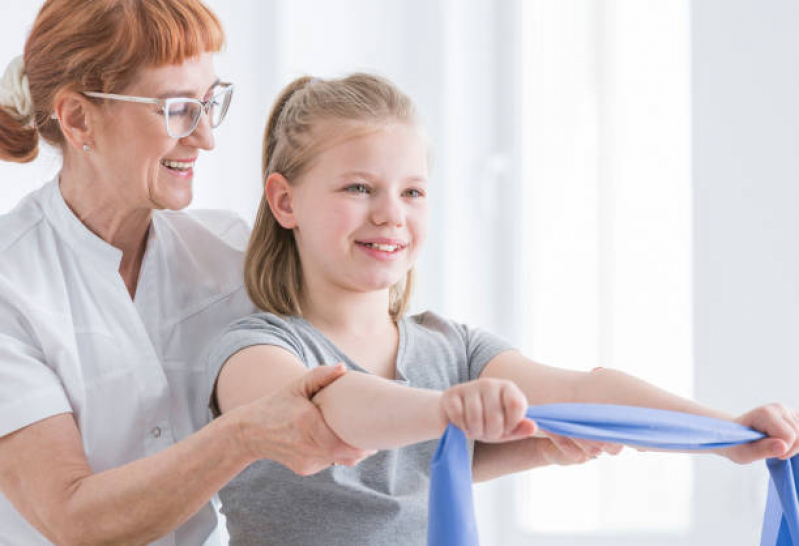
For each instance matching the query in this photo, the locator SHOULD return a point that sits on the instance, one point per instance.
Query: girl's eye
(413, 193)
(357, 188)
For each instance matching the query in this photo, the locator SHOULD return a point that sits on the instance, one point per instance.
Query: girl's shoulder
(434, 323)
(264, 321)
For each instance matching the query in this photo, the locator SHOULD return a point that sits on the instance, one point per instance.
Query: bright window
(606, 238)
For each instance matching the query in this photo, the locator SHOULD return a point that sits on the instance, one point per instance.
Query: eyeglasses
(181, 115)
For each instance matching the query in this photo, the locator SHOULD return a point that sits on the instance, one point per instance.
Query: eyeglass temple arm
(126, 98)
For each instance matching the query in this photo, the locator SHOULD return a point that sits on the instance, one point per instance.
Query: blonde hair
(100, 46)
(273, 271)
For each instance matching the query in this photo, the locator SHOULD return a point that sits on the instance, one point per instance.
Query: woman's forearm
(372, 413)
(148, 498)
(132, 504)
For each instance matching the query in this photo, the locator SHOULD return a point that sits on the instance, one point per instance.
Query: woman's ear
(279, 195)
(72, 111)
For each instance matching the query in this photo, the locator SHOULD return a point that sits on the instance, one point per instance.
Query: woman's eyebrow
(185, 93)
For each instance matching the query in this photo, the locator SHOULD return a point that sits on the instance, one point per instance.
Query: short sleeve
(481, 348)
(257, 329)
(29, 389)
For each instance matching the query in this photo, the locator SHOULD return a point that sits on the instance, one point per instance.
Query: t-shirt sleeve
(257, 329)
(481, 347)
(29, 389)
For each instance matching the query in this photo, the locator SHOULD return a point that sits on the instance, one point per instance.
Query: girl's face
(361, 208)
(141, 163)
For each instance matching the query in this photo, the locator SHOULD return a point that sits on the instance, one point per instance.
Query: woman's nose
(203, 136)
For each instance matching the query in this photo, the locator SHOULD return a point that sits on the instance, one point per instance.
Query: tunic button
(156, 432)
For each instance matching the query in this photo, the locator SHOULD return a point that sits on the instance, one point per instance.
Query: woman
(107, 298)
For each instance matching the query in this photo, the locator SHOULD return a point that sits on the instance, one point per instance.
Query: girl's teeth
(384, 248)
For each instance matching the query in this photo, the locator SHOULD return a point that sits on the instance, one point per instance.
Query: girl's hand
(562, 450)
(488, 410)
(779, 423)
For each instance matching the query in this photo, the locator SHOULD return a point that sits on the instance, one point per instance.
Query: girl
(330, 262)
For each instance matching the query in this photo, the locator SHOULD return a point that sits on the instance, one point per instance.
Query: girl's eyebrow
(358, 174)
(370, 176)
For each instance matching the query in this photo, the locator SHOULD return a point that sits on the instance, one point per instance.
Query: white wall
(746, 252)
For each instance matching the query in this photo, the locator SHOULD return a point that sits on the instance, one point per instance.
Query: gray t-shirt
(381, 501)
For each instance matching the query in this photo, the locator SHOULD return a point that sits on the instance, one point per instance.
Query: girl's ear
(279, 196)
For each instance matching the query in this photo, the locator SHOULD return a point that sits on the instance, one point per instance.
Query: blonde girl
(330, 262)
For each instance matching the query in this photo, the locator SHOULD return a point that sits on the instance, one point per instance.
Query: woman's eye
(180, 109)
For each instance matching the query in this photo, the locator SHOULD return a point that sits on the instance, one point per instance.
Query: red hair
(101, 46)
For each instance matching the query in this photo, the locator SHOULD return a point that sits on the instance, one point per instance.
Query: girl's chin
(375, 285)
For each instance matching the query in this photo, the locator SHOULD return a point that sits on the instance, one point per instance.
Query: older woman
(108, 298)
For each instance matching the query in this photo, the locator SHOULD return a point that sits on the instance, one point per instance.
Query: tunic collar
(74, 232)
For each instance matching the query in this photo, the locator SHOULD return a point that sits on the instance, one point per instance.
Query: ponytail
(19, 140)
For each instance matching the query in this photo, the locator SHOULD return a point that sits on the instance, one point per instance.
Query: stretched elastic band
(451, 520)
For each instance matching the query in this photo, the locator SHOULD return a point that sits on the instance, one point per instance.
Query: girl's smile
(360, 211)
(383, 249)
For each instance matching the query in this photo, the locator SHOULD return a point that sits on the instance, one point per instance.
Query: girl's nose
(388, 211)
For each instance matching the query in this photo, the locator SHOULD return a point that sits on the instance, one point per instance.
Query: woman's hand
(488, 410)
(285, 426)
(779, 423)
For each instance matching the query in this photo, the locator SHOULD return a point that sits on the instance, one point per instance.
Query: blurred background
(615, 184)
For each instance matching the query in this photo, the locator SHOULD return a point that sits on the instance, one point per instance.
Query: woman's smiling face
(361, 208)
(138, 160)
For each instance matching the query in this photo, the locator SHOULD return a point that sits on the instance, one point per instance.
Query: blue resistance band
(451, 520)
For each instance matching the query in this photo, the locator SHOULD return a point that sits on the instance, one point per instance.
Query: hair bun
(15, 94)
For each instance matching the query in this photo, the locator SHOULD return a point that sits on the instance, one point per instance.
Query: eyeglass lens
(183, 116)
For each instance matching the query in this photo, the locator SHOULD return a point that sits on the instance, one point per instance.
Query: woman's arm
(46, 476)
(369, 412)
(544, 385)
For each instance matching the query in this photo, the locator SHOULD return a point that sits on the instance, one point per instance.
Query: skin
(331, 212)
(113, 189)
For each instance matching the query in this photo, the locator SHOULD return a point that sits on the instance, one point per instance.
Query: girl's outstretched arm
(369, 412)
(544, 385)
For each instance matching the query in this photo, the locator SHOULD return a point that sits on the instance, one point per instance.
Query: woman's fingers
(293, 432)
(317, 379)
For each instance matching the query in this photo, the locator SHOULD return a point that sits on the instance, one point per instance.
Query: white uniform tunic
(132, 372)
